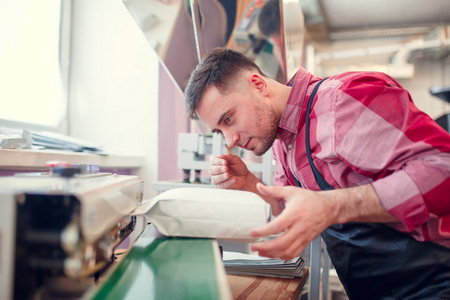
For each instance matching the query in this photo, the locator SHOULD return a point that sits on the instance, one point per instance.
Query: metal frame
(318, 253)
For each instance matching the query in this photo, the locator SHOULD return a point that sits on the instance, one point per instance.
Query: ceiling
(377, 31)
(338, 17)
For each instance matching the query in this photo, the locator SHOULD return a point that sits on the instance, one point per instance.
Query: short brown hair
(219, 68)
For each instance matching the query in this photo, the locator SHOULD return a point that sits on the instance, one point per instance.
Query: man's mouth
(246, 145)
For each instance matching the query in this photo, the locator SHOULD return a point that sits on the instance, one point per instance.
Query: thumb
(233, 159)
(277, 192)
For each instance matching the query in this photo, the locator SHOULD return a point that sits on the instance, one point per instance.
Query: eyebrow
(222, 116)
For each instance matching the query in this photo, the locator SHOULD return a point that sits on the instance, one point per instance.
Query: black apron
(375, 261)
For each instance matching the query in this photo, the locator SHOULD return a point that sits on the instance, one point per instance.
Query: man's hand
(306, 215)
(228, 171)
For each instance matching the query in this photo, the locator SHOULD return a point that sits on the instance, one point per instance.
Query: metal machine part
(195, 151)
(54, 228)
(443, 93)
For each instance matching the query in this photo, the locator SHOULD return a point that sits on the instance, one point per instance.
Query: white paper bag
(206, 213)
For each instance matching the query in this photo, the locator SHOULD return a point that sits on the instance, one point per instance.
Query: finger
(285, 246)
(218, 179)
(218, 160)
(226, 184)
(278, 192)
(275, 245)
(232, 159)
(276, 226)
(294, 247)
(279, 243)
(266, 247)
(280, 255)
(217, 170)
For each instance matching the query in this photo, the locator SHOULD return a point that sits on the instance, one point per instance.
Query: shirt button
(290, 146)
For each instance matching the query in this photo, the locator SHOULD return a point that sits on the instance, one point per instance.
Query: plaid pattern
(366, 129)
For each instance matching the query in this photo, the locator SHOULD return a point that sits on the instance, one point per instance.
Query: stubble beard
(266, 115)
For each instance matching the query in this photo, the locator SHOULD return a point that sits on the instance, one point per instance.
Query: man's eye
(228, 120)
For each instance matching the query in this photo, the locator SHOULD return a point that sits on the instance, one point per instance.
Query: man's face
(244, 118)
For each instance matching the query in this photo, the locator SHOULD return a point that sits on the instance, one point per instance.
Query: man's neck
(279, 96)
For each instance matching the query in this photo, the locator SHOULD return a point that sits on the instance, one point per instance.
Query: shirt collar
(289, 123)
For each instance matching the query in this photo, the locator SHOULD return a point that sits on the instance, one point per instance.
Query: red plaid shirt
(366, 129)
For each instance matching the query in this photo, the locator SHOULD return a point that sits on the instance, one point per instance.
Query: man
(386, 161)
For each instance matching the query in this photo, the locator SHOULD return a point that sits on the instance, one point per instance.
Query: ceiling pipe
(367, 51)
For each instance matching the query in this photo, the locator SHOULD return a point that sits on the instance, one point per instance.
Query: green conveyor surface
(164, 268)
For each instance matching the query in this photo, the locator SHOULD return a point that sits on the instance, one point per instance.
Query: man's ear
(258, 81)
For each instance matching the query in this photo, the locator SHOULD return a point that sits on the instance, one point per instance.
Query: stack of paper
(246, 264)
(53, 140)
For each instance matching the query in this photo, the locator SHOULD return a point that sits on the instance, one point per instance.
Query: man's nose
(231, 138)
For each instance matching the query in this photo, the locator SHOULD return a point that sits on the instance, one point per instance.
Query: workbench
(185, 268)
(259, 287)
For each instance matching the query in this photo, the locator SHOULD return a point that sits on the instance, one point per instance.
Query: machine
(58, 228)
(193, 150)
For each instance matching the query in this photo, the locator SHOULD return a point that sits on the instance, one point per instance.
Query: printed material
(246, 264)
